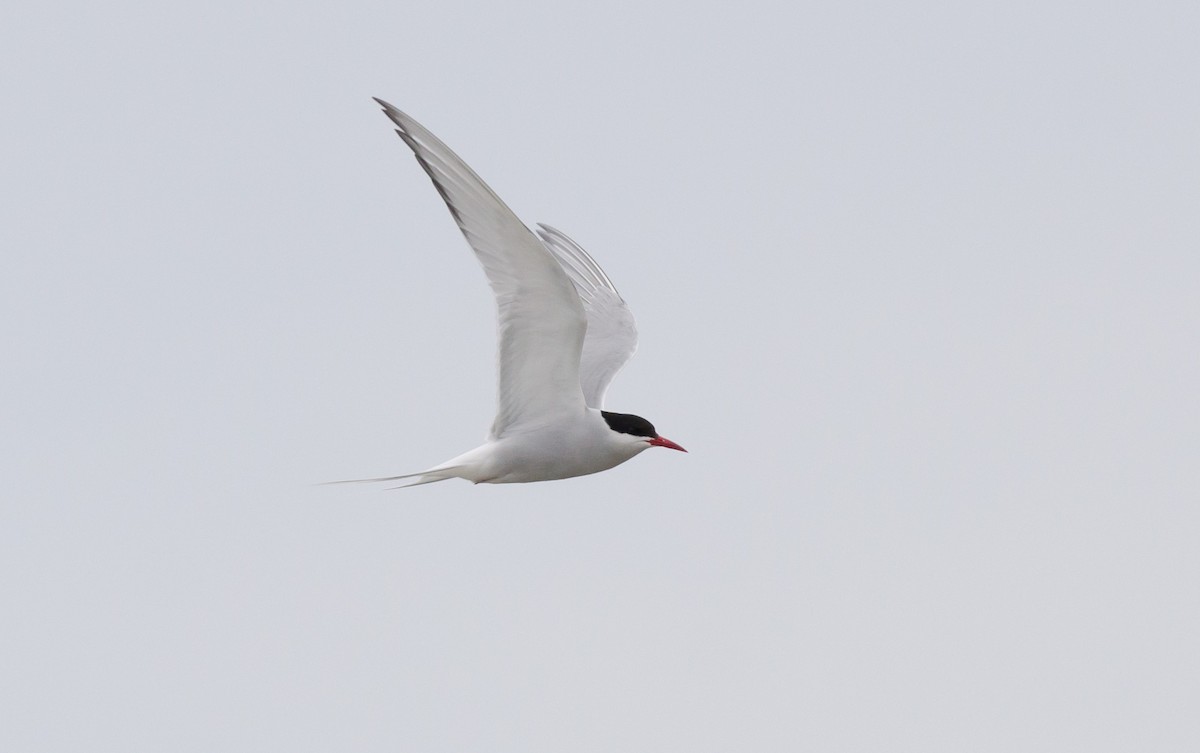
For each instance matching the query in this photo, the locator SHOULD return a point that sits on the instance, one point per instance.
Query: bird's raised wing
(542, 321)
(611, 332)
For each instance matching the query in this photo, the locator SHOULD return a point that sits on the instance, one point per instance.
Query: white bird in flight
(565, 332)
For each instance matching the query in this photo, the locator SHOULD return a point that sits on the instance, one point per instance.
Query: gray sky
(917, 287)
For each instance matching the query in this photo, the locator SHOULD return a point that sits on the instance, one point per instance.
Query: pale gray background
(917, 286)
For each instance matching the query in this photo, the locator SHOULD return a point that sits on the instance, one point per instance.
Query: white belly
(576, 449)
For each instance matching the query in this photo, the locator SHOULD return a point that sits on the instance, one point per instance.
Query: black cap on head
(627, 423)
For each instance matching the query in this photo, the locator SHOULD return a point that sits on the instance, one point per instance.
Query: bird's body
(564, 334)
(559, 450)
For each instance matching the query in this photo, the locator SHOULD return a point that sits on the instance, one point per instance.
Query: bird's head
(636, 429)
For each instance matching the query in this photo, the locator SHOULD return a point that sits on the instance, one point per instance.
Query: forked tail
(430, 476)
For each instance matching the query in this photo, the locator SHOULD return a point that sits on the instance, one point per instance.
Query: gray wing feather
(612, 337)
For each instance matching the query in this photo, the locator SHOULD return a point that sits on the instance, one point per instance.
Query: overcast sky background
(917, 286)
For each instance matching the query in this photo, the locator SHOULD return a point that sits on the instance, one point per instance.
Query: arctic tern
(564, 333)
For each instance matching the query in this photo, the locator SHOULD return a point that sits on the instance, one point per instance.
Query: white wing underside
(611, 332)
(564, 331)
(541, 319)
